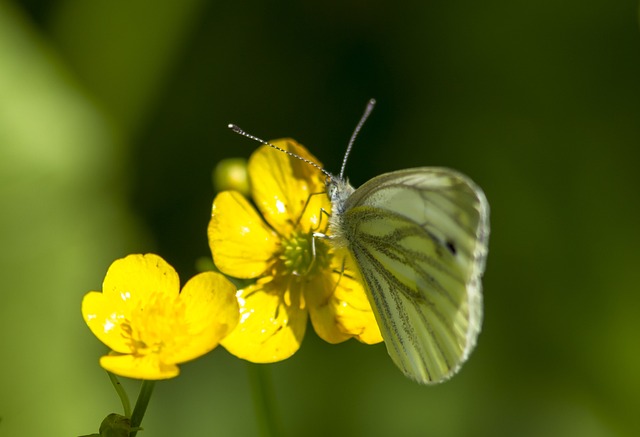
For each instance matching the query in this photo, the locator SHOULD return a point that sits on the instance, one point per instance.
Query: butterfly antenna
(239, 131)
(356, 131)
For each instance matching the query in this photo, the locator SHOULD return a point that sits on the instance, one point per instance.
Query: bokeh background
(113, 115)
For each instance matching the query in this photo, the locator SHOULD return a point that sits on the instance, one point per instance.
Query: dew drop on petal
(245, 316)
(108, 325)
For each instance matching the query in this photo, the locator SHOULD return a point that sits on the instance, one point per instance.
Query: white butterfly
(419, 238)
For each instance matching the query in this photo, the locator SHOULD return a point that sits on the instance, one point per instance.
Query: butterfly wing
(419, 237)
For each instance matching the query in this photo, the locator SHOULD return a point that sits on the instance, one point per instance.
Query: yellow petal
(281, 184)
(135, 278)
(210, 312)
(241, 243)
(352, 307)
(272, 323)
(322, 309)
(139, 367)
(104, 318)
(338, 305)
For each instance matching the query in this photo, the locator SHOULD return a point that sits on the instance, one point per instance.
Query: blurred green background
(113, 114)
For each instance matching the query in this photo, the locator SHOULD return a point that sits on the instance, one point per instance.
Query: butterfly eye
(331, 189)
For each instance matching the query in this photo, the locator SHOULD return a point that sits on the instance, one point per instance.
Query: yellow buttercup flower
(292, 282)
(150, 325)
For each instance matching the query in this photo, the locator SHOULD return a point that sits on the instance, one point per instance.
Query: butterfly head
(339, 191)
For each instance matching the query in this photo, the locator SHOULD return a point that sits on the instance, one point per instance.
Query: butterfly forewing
(419, 237)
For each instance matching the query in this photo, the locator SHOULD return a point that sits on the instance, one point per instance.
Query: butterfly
(419, 238)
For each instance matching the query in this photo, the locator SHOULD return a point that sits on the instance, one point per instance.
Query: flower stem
(264, 400)
(126, 405)
(141, 405)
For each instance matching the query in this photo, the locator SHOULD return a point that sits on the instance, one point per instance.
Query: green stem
(126, 405)
(141, 405)
(264, 400)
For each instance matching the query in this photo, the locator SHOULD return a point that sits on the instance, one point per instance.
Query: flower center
(299, 256)
(155, 325)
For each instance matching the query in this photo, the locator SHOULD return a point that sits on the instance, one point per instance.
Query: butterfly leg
(315, 234)
(313, 250)
(306, 204)
(341, 272)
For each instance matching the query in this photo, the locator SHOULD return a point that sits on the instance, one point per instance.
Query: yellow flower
(149, 324)
(292, 284)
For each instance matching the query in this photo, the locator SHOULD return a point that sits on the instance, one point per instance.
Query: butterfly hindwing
(419, 237)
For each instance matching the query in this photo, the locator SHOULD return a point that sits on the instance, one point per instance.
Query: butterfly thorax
(339, 191)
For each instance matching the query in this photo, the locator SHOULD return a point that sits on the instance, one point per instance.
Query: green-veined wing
(419, 237)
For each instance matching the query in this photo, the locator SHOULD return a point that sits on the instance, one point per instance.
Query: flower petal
(281, 184)
(353, 311)
(211, 312)
(271, 326)
(135, 278)
(139, 367)
(241, 243)
(322, 309)
(339, 306)
(105, 317)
